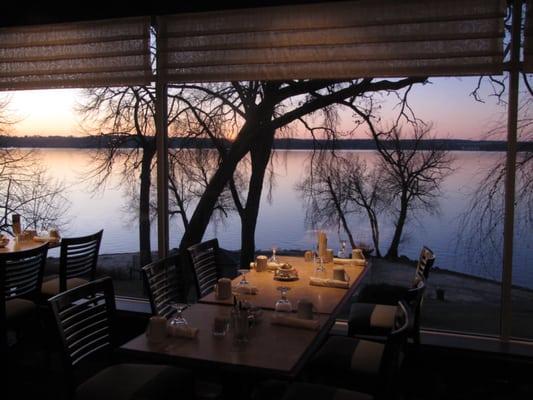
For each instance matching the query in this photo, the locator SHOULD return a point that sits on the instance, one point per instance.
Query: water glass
(283, 305)
(240, 326)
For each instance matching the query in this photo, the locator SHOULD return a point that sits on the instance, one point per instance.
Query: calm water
(282, 220)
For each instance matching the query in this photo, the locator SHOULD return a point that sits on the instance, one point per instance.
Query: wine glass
(273, 258)
(320, 269)
(283, 305)
(342, 250)
(243, 273)
(178, 320)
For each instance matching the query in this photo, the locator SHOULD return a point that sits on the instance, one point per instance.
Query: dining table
(273, 349)
(14, 246)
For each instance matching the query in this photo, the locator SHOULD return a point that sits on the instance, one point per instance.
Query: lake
(282, 220)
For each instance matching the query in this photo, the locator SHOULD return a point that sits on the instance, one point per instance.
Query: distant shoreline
(95, 142)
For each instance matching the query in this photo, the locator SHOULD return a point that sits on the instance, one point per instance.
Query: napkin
(45, 239)
(245, 289)
(328, 283)
(349, 261)
(186, 331)
(295, 322)
(272, 266)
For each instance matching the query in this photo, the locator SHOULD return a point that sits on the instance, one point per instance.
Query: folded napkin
(245, 289)
(45, 239)
(328, 283)
(186, 331)
(349, 261)
(272, 266)
(295, 322)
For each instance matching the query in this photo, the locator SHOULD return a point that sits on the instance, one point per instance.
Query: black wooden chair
(209, 263)
(364, 365)
(84, 317)
(77, 264)
(367, 319)
(163, 281)
(21, 275)
(383, 293)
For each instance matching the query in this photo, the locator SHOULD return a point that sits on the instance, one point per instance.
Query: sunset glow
(445, 102)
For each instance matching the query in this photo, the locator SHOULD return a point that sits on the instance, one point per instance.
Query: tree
(25, 188)
(258, 110)
(337, 186)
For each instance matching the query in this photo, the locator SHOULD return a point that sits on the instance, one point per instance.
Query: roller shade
(386, 38)
(85, 54)
(528, 42)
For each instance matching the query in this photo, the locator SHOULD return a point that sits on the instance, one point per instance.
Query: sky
(446, 103)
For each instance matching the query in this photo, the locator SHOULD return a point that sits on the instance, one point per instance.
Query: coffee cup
(261, 263)
(223, 289)
(157, 329)
(305, 309)
(339, 274)
(308, 256)
(357, 254)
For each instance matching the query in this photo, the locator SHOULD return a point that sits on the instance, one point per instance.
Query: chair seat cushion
(306, 391)
(139, 382)
(348, 362)
(371, 319)
(51, 288)
(17, 309)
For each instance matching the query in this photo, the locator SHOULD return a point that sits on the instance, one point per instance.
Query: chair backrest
(79, 257)
(395, 348)
(21, 276)
(425, 262)
(414, 298)
(203, 260)
(21, 273)
(163, 281)
(84, 317)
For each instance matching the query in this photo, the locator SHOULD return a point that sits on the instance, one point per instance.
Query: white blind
(362, 38)
(528, 42)
(97, 53)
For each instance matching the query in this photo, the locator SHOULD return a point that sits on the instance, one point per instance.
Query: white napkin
(328, 283)
(349, 261)
(45, 239)
(186, 331)
(295, 322)
(245, 289)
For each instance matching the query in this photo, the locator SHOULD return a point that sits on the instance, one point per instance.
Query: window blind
(85, 54)
(528, 41)
(386, 38)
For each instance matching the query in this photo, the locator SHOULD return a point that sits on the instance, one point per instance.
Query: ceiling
(32, 13)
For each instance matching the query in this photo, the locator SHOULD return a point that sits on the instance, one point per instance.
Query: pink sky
(445, 102)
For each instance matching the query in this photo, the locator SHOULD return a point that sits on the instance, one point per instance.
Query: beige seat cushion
(137, 381)
(51, 288)
(17, 309)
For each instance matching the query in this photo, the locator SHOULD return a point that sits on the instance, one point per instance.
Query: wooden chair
(84, 317)
(203, 259)
(390, 294)
(77, 264)
(364, 365)
(21, 275)
(366, 319)
(163, 281)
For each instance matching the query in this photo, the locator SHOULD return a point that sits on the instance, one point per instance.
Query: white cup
(223, 289)
(261, 263)
(305, 309)
(157, 329)
(339, 274)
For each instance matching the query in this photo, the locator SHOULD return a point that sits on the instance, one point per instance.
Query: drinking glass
(342, 250)
(243, 273)
(240, 325)
(320, 270)
(273, 258)
(178, 320)
(283, 305)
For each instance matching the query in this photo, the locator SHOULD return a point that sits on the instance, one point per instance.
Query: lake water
(282, 220)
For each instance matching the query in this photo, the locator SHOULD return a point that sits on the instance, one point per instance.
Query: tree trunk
(392, 253)
(260, 156)
(203, 211)
(375, 231)
(145, 251)
(341, 213)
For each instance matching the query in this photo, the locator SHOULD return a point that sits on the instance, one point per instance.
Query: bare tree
(337, 186)
(25, 188)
